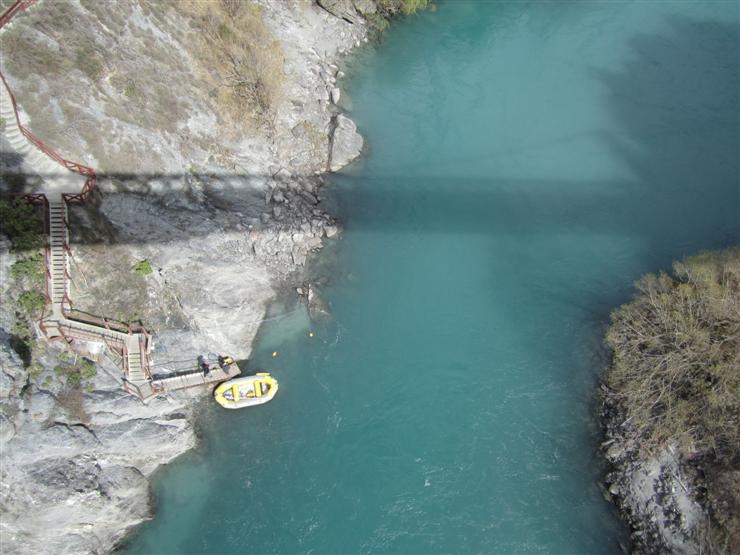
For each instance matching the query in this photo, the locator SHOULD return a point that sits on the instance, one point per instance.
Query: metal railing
(87, 188)
(15, 8)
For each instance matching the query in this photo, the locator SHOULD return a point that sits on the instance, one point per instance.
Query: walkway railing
(89, 173)
(128, 343)
(61, 324)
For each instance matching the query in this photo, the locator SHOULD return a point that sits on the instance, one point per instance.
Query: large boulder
(346, 143)
(365, 7)
(343, 9)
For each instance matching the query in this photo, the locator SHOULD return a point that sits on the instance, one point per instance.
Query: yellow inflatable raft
(246, 391)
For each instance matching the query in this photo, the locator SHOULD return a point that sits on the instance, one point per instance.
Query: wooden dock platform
(183, 380)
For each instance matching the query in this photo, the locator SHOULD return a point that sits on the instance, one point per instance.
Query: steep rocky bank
(669, 407)
(657, 494)
(226, 209)
(75, 466)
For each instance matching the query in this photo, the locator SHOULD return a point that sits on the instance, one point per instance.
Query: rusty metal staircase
(64, 181)
(58, 259)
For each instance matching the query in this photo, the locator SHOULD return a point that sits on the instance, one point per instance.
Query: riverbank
(670, 408)
(221, 205)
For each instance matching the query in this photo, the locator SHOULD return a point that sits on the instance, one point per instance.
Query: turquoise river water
(526, 162)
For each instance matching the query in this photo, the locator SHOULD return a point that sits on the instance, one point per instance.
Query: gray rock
(343, 9)
(7, 429)
(335, 95)
(365, 7)
(317, 308)
(75, 481)
(346, 144)
(615, 452)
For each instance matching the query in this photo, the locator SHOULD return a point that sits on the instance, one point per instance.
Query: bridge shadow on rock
(166, 207)
(676, 99)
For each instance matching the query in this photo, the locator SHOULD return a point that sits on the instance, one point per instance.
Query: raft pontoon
(246, 391)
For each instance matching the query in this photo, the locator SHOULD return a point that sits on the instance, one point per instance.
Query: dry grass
(677, 356)
(74, 64)
(26, 53)
(72, 400)
(238, 57)
(676, 373)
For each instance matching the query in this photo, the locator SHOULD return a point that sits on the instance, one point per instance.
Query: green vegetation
(75, 373)
(142, 268)
(406, 7)
(129, 88)
(676, 372)
(2, 123)
(31, 302)
(19, 221)
(86, 60)
(388, 9)
(35, 370)
(30, 268)
(677, 353)
(22, 338)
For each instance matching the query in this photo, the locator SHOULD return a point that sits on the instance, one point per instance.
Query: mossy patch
(75, 373)
(21, 223)
(142, 268)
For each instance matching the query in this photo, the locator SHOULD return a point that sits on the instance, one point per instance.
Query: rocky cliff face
(74, 467)
(224, 202)
(657, 493)
(221, 205)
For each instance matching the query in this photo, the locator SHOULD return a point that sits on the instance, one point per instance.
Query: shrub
(129, 89)
(87, 369)
(2, 123)
(676, 367)
(86, 60)
(74, 374)
(21, 224)
(73, 378)
(30, 268)
(21, 339)
(239, 56)
(31, 302)
(73, 402)
(407, 7)
(35, 370)
(143, 268)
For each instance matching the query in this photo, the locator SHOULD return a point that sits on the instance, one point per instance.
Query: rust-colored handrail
(87, 188)
(18, 6)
